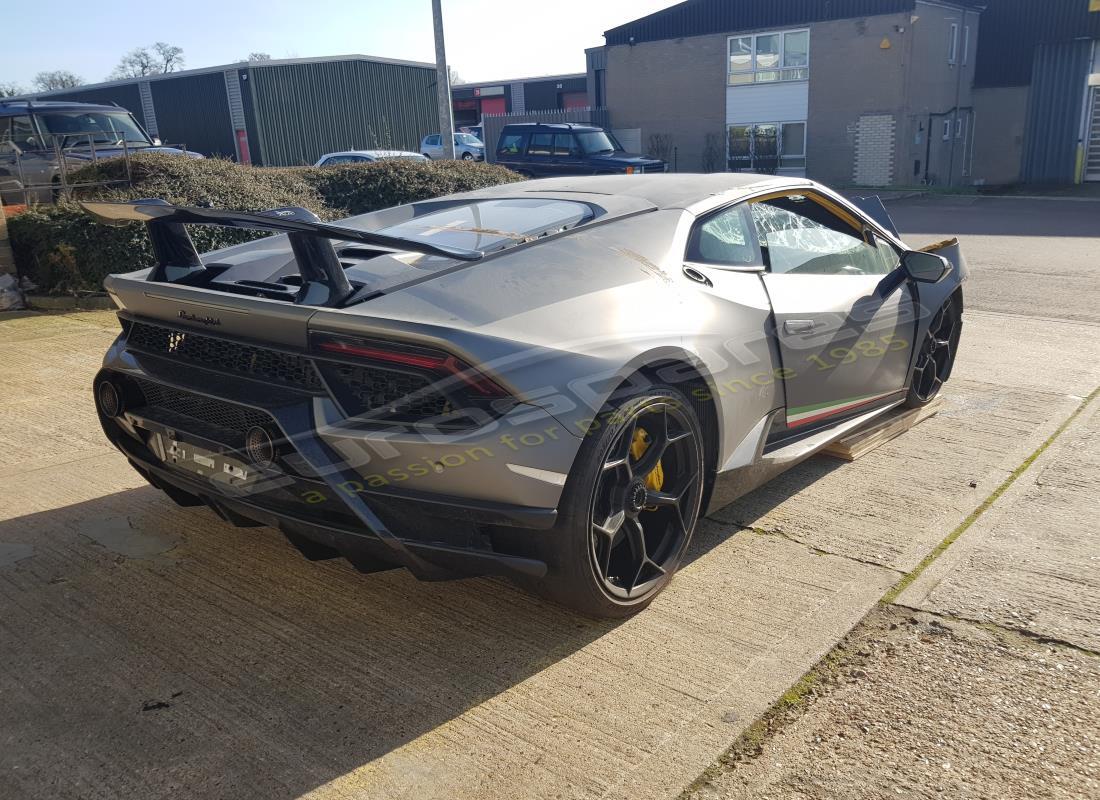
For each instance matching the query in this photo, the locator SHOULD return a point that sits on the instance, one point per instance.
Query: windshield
(75, 128)
(492, 224)
(467, 138)
(598, 142)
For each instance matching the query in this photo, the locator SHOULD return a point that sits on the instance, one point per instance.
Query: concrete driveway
(149, 651)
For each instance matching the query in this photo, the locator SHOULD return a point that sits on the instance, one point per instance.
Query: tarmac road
(149, 651)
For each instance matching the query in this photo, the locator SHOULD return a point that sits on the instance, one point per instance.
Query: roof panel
(701, 17)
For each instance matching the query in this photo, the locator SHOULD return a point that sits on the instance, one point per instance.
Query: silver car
(467, 147)
(38, 138)
(548, 380)
(366, 157)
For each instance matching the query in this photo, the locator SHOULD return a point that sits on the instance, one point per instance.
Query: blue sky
(485, 41)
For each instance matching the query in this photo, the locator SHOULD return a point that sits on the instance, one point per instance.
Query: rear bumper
(320, 489)
(434, 539)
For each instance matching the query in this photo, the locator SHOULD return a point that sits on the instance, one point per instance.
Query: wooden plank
(876, 433)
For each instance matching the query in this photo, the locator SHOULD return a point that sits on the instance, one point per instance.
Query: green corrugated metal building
(279, 113)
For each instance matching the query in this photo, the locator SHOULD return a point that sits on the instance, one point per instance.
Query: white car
(365, 156)
(467, 147)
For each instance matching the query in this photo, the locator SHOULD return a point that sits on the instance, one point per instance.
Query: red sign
(242, 147)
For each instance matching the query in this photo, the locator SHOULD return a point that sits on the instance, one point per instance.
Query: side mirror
(925, 267)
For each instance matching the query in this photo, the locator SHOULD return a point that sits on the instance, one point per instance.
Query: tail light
(409, 384)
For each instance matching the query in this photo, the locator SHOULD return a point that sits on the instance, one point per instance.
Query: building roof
(275, 62)
(532, 79)
(701, 17)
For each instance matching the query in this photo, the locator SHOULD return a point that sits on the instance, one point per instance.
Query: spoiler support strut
(323, 280)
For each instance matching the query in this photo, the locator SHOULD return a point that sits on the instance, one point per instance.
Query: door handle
(799, 325)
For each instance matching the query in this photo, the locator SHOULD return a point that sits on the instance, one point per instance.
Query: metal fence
(494, 123)
(43, 175)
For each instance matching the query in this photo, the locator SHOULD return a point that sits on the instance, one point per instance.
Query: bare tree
(258, 56)
(454, 77)
(660, 146)
(56, 79)
(170, 56)
(142, 61)
(10, 89)
(135, 64)
(712, 152)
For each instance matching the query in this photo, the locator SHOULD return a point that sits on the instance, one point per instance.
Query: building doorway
(767, 147)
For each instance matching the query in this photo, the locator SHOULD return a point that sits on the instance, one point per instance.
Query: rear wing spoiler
(323, 279)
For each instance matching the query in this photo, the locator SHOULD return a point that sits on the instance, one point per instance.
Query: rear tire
(629, 509)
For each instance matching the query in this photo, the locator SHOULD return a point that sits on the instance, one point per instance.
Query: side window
(434, 140)
(511, 144)
(724, 238)
(564, 144)
(887, 254)
(801, 236)
(18, 131)
(542, 144)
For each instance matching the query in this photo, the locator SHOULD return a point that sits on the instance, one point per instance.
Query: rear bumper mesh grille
(225, 355)
(215, 419)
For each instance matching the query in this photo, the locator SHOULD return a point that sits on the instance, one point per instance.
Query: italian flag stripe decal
(803, 415)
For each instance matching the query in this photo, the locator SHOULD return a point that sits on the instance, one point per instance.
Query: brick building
(866, 92)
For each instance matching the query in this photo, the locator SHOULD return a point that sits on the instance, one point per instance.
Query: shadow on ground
(228, 665)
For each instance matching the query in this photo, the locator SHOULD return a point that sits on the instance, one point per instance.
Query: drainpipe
(959, 66)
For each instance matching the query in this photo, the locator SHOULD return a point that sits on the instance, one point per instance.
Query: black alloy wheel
(645, 501)
(630, 505)
(935, 356)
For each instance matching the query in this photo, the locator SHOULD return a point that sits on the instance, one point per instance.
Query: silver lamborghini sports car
(549, 380)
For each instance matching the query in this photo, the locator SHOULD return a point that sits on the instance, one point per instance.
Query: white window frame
(753, 71)
(947, 130)
(958, 127)
(805, 142)
(953, 44)
(966, 44)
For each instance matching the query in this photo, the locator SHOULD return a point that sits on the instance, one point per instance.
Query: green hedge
(63, 251)
(359, 188)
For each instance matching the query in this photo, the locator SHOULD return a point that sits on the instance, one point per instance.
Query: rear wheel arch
(690, 378)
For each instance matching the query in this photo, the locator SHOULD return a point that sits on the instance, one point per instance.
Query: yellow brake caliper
(656, 478)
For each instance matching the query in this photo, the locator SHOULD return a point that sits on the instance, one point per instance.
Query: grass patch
(973, 516)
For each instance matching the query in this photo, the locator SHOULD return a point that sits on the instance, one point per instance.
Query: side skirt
(732, 484)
